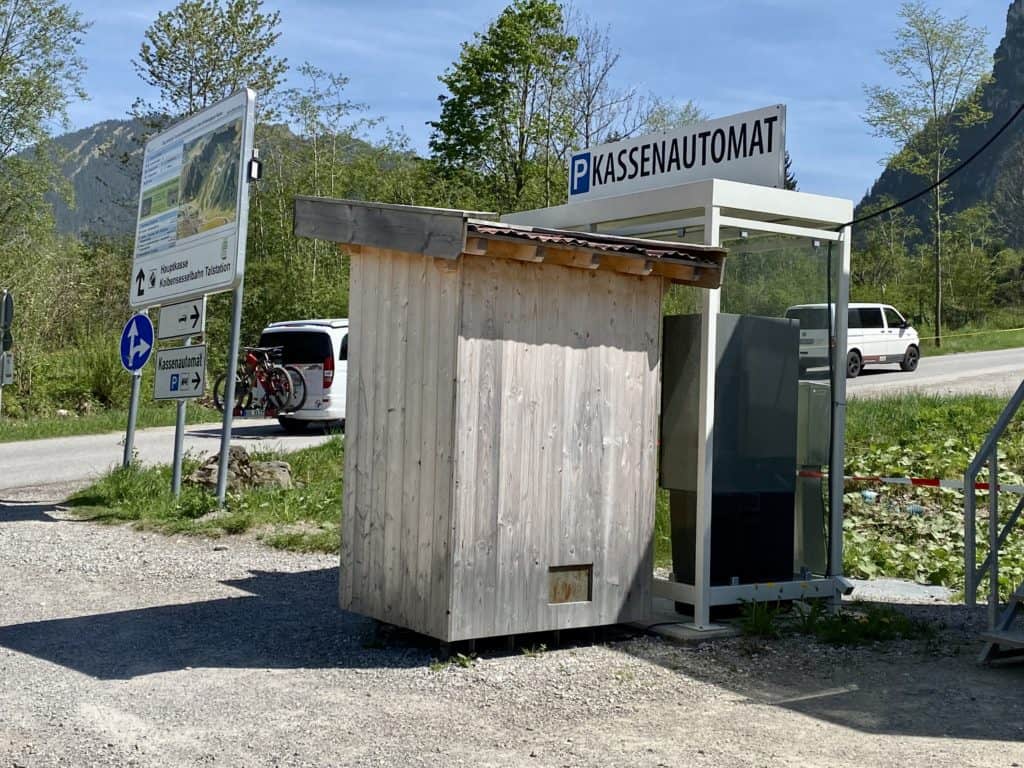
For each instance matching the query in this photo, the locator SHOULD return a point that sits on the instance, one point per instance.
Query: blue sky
(727, 55)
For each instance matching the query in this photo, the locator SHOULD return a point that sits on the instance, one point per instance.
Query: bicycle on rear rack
(264, 381)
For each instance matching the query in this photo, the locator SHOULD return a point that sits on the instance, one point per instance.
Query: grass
(911, 532)
(970, 339)
(857, 624)
(304, 518)
(113, 420)
(917, 533)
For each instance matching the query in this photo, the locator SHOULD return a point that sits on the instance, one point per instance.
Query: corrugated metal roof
(698, 255)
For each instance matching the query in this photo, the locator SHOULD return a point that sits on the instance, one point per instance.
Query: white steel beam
(705, 436)
(838, 457)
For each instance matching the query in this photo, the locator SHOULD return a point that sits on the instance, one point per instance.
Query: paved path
(998, 372)
(81, 458)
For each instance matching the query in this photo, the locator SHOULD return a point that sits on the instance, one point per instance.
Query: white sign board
(748, 147)
(6, 369)
(194, 205)
(180, 373)
(177, 321)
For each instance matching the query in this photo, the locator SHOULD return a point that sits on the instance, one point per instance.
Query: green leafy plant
(868, 623)
(759, 619)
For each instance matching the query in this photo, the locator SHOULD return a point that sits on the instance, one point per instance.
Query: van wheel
(854, 364)
(910, 359)
(292, 426)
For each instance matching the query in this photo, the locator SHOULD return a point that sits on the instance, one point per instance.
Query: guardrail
(988, 453)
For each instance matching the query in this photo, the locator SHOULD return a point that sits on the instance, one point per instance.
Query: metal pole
(133, 412)
(838, 457)
(229, 391)
(705, 445)
(993, 539)
(179, 441)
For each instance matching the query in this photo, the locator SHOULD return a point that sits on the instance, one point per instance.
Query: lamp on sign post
(6, 310)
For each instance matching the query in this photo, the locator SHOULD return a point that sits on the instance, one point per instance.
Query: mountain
(1000, 166)
(103, 164)
(106, 188)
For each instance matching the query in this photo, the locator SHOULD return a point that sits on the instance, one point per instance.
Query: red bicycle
(263, 380)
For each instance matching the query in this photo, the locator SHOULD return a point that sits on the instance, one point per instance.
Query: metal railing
(988, 453)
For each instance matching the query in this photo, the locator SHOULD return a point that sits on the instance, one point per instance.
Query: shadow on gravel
(929, 687)
(291, 621)
(15, 512)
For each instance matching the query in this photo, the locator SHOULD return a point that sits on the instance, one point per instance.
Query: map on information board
(193, 205)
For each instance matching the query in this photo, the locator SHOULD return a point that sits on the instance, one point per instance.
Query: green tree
(40, 74)
(202, 51)
(881, 264)
(1008, 195)
(669, 115)
(503, 120)
(973, 260)
(601, 111)
(940, 65)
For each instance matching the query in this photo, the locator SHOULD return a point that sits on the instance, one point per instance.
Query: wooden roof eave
(443, 234)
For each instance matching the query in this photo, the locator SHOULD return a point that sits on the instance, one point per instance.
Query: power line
(942, 180)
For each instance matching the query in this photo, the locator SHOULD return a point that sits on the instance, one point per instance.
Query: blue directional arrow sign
(136, 342)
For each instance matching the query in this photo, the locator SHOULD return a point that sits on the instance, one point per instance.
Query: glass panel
(893, 318)
(869, 317)
(784, 420)
(300, 347)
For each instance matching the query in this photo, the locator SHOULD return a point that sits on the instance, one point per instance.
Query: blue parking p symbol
(579, 174)
(175, 381)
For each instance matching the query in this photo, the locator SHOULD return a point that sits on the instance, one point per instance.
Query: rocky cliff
(994, 168)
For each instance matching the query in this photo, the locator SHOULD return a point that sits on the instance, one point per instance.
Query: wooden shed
(502, 418)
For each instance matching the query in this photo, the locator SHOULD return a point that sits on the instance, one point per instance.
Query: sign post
(6, 358)
(177, 321)
(190, 235)
(136, 347)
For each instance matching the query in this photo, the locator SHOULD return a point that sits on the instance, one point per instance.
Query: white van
(318, 348)
(877, 334)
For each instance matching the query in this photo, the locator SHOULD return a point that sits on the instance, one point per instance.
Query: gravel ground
(132, 649)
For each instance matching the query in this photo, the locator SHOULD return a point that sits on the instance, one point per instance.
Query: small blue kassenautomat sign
(136, 342)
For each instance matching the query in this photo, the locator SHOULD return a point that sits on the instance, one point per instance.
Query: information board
(194, 205)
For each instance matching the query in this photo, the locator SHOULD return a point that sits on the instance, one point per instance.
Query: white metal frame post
(838, 458)
(712, 301)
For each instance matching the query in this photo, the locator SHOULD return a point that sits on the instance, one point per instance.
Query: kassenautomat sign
(748, 147)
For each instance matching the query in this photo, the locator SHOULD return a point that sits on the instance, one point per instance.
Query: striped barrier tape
(926, 482)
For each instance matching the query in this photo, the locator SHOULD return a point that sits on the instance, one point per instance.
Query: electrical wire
(943, 179)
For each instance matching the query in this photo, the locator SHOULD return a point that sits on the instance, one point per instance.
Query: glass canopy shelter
(786, 248)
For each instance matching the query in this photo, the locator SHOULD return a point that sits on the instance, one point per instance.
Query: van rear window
(811, 318)
(300, 347)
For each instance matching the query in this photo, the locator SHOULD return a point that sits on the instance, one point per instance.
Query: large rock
(243, 472)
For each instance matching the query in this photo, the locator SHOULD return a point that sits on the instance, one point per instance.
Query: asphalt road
(999, 372)
(65, 460)
(79, 459)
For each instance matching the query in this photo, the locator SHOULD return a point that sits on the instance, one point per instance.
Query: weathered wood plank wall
(555, 439)
(403, 314)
